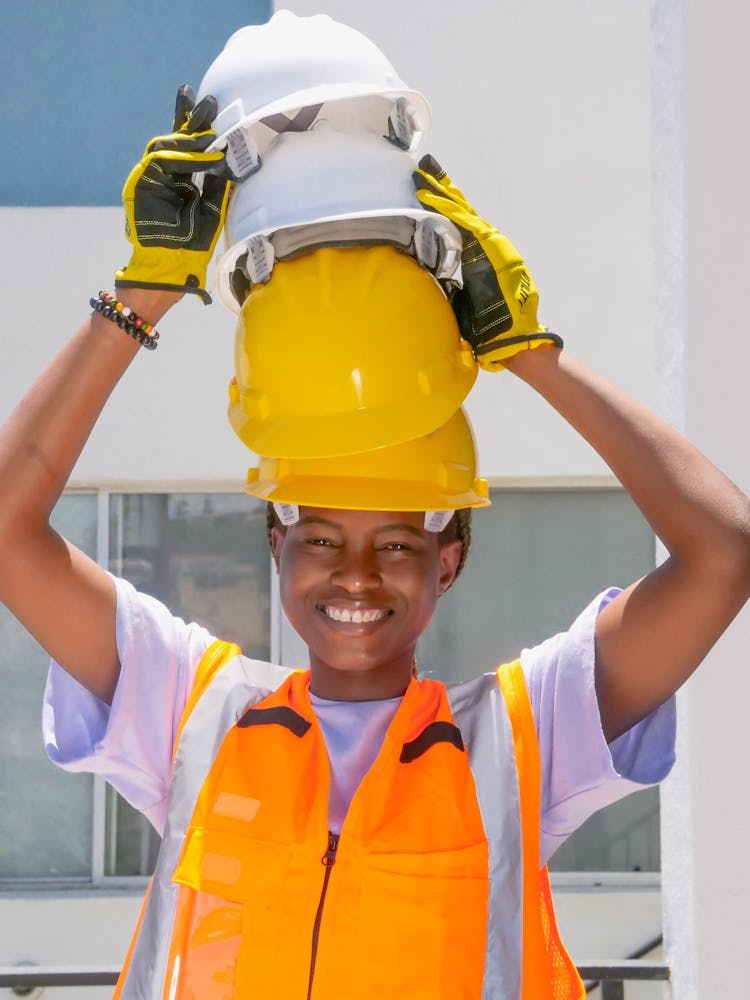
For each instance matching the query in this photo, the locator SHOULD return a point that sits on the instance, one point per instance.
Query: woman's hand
(496, 308)
(172, 224)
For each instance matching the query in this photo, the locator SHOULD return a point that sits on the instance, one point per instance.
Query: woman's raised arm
(63, 598)
(653, 636)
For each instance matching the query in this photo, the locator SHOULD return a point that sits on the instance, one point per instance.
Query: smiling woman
(350, 829)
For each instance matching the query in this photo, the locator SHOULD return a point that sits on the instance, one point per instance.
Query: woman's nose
(356, 570)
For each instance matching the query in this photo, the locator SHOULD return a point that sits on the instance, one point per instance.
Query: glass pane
(131, 842)
(46, 819)
(624, 837)
(537, 558)
(205, 555)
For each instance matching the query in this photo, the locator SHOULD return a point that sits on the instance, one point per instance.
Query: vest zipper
(328, 860)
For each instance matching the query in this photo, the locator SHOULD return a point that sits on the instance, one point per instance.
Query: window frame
(586, 880)
(286, 645)
(99, 878)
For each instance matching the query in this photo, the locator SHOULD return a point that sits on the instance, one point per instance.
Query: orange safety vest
(432, 889)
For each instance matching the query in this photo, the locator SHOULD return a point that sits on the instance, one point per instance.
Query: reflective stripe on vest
(233, 684)
(428, 895)
(480, 714)
(548, 972)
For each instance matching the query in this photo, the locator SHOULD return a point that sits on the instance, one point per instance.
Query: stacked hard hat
(349, 367)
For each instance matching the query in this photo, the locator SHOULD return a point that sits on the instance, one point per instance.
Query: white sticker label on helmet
(438, 245)
(436, 520)
(242, 154)
(260, 259)
(287, 513)
(402, 121)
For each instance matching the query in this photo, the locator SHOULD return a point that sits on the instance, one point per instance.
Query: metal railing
(610, 974)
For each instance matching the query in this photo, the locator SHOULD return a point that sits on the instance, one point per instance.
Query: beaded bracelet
(126, 319)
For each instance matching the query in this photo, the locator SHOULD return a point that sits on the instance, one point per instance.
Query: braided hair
(458, 529)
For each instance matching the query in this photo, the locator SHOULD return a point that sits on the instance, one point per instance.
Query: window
(538, 557)
(46, 819)
(205, 555)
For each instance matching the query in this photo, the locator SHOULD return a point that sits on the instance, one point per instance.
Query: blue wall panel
(86, 84)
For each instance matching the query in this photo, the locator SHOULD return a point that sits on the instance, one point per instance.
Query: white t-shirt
(131, 743)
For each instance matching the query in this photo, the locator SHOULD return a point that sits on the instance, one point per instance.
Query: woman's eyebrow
(315, 519)
(312, 519)
(401, 527)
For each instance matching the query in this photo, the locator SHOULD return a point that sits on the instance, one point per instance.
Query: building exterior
(608, 140)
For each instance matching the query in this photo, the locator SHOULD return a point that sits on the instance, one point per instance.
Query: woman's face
(360, 587)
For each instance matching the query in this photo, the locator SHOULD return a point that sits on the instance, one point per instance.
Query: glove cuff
(162, 287)
(491, 356)
(146, 269)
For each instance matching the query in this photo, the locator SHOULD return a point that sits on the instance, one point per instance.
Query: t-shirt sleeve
(580, 772)
(131, 743)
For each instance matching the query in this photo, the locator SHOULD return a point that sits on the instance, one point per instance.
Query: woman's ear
(450, 560)
(277, 535)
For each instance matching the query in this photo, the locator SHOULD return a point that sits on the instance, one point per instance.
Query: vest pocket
(422, 924)
(228, 916)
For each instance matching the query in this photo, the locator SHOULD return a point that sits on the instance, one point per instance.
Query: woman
(353, 831)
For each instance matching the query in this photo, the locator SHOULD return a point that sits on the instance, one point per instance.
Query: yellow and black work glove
(173, 225)
(496, 308)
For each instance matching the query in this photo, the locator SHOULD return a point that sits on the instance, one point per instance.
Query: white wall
(702, 145)
(167, 421)
(540, 113)
(67, 929)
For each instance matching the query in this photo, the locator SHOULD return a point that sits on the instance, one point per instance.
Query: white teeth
(356, 617)
(373, 616)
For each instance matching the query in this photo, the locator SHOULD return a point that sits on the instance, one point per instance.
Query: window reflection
(537, 558)
(46, 815)
(206, 557)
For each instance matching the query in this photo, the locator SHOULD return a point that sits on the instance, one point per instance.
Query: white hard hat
(326, 188)
(269, 73)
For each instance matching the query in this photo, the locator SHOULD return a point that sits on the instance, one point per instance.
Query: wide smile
(338, 614)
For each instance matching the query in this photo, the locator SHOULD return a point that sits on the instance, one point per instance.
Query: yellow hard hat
(344, 350)
(432, 473)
